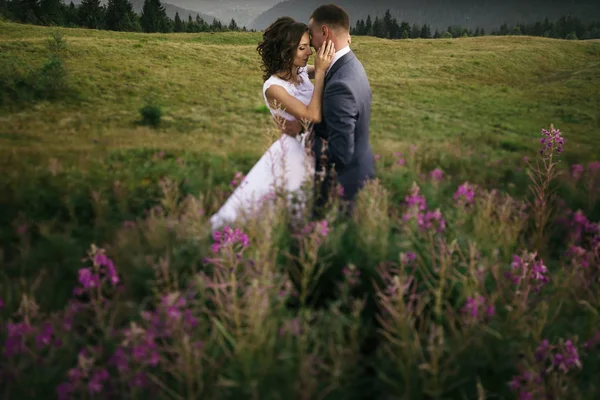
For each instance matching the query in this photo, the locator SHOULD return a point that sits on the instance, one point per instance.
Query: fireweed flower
(400, 160)
(103, 270)
(578, 256)
(431, 219)
(526, 269)
(551, 139)
(465, 194)
(318, 229)
(15, 340)
(437, 175)
(407, 258)
(477, 307)
(238, 179)
(576, 171)
(594, 166)
(580, 225)
(415, 200)
(227, 238)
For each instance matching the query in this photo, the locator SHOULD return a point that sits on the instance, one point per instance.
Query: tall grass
(444, 289)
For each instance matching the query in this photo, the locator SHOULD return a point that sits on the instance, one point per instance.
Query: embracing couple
(325, 124)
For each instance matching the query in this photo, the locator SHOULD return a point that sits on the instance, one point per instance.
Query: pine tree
(369, 26)
(154, 17)
(71, 15)
(201, 25)
(387, 24)
(415, 32)
(233, 26)
(216, 26)
(28, 11)
(425, 32)
(91, 14)
(190, 27)
(404, 26)
(120, 16)
(51, 12)
(378, 28)
(178, 26)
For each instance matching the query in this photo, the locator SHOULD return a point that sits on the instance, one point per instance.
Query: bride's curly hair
(278, 47)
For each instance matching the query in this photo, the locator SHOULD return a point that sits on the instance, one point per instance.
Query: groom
(347, 156)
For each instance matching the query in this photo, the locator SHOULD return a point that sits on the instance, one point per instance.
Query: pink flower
(437, 174)
(551, 139)
(465, 194)
(576, 171)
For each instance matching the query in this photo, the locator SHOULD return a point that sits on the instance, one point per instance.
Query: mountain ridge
(439, 14)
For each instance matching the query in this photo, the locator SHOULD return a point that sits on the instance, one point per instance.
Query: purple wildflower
(437, 175)
(44, 337)
(478, 307)
(400, 160)
(428, 220)
(64, 390)
(15, 341)
(578, 256)
(551, 139)
(576, 171)
(542, 351)
(229, 237)
(465, 194)
(238, 179)
(528, 269)
(414, 199)
(594, 166)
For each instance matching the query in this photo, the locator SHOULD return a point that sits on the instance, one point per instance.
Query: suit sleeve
(339, 113)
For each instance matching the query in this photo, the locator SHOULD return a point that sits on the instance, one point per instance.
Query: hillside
(486, 93)
(489, 14)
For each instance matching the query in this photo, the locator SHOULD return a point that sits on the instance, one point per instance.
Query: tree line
(566, 27)
(116, 15)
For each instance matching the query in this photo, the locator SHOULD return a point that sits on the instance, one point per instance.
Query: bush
(571, 36)
(20, 83)
(151, 115)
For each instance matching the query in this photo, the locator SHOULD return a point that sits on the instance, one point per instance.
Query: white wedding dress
(285, 165)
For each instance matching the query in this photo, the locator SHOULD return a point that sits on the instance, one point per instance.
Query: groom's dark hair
(331, 15)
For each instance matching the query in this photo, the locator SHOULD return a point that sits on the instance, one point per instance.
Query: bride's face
(303, 51)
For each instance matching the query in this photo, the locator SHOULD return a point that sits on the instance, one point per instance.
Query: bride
(291, 97)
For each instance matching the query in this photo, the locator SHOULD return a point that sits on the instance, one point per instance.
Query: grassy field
(487, 95)
(287, 315)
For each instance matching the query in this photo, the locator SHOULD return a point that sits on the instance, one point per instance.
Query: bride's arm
(278, 97)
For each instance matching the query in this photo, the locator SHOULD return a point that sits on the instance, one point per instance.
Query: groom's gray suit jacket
(345, 126)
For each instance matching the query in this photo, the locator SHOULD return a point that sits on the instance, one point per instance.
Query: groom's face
(318, 34)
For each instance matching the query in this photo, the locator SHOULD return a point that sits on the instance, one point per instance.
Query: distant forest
(566, 27)
(118, 15)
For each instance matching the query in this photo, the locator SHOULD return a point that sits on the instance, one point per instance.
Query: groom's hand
(292, 128)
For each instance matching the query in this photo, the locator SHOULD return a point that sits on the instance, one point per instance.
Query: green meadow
(271, 312)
